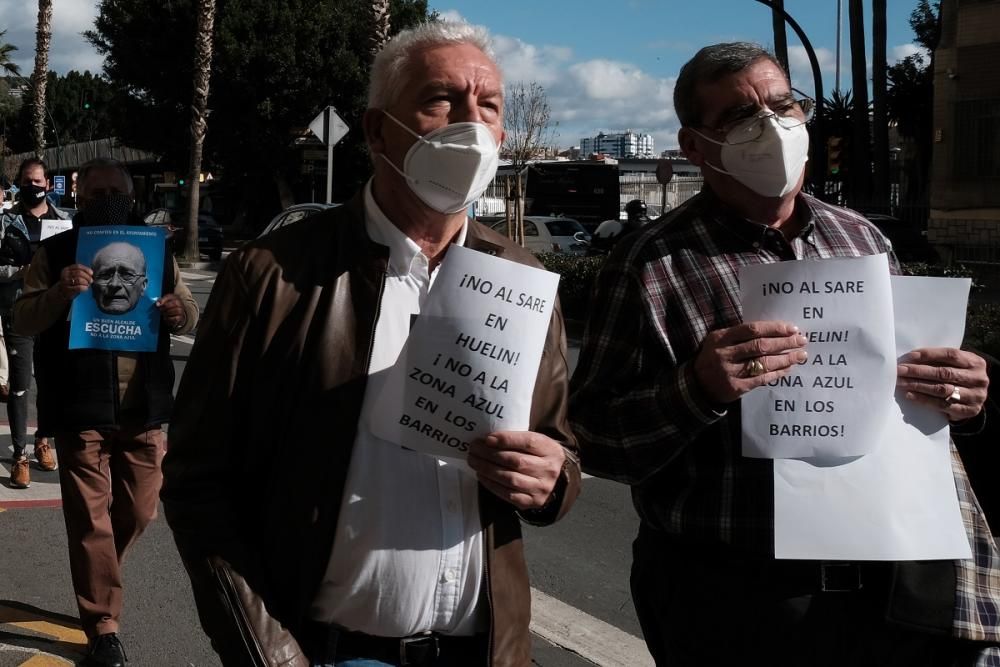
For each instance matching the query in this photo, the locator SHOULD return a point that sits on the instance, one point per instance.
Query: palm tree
(880, 121)
(6, 64)
(199, 122)
(39, 78)
(380, 33)
(860, 141)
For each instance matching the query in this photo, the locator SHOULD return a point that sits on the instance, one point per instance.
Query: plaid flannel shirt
(642, 419)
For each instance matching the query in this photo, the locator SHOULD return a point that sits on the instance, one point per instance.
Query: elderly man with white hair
(308, 539)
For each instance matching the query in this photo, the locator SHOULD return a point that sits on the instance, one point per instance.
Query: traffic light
(181, 182)
(85, 102)
(834, 155)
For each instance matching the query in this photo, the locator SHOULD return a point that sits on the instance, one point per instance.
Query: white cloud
(607, 95)
(905, 50)
(453, 16)
(525, 62)
(68, 50)
(801, 69)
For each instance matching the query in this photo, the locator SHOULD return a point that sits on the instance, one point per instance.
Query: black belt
(327, 643)
(807, 576)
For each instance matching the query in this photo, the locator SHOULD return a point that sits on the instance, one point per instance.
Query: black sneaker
(105, 651)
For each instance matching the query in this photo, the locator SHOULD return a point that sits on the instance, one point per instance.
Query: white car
(549, 234)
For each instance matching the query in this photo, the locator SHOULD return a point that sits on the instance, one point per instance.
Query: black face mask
(111, 209)
(31, 195)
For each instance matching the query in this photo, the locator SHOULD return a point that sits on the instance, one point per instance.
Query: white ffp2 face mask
(771, 164)
(450, 167)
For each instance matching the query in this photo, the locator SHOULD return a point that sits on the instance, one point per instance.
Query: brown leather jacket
(263, 429)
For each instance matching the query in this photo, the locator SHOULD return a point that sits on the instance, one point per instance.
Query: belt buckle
(840, 577)
(406, 643)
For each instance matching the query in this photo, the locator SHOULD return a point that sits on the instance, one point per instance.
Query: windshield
(565, 227)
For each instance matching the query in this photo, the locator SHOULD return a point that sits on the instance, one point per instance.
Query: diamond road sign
(328, 126)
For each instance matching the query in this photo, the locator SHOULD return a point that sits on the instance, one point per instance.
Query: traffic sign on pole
(330, 128)
(59, 185)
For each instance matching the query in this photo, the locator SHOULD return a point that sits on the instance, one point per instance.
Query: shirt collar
(754, 233)
(402, 249)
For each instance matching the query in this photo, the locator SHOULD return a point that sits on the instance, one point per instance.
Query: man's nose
(466, 110)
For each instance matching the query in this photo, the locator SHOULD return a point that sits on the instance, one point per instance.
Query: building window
(977, 139)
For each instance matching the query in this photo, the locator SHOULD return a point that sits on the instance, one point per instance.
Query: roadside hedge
(577, 275)
(982, 331)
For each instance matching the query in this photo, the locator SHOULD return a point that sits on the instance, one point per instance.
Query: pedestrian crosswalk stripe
(45, 639)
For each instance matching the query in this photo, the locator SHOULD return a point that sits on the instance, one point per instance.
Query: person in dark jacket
(367, 551)
(106, 408)
(21, 230)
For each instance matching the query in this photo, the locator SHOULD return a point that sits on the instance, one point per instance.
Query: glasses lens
(745, 131)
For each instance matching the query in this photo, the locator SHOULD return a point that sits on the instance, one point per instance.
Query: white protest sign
(835, 404)
(471, 359)
(53, 227)
(899, 502)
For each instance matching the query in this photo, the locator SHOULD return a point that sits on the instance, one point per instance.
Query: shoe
(43, 454)
(105, 651)
(20, 474)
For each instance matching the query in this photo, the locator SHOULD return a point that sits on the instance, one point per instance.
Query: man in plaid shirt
(656, 404)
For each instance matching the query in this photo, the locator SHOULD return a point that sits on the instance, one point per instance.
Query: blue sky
(610, 65)
(605, 64)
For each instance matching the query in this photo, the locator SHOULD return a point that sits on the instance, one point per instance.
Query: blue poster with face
(119, 312)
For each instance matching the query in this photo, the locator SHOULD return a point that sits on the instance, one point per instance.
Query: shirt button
(450, 575)
(452, 506)
(756, 245)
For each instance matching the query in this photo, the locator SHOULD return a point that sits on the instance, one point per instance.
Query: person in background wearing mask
(105, 408)
(367, 553)
(20, 234)
(655, 403)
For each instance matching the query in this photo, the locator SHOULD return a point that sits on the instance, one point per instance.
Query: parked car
(293, 214)
(909, 243)
(550, 234)
(210, 234)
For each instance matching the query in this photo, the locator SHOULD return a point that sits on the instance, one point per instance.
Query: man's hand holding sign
(945, 379)
(462, 386)
(737, 359)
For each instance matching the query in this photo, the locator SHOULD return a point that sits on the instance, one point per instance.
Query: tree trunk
(880, 120)
(199, 122)
(860, 150)
(43, 37)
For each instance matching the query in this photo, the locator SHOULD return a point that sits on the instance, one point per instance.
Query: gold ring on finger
(753, 368)
(955, 397)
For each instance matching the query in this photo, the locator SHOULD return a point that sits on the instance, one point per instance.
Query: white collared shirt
(408, 553)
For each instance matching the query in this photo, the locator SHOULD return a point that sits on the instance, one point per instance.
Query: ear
(688, 142)
(372, 121)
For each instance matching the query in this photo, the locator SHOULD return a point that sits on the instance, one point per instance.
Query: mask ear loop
(717, 143)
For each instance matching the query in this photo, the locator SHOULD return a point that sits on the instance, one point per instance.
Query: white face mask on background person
(450, 167)
(770, 164)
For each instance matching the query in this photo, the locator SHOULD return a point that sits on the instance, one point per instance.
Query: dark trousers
(703, 606)
(19, 354)
(110, 486)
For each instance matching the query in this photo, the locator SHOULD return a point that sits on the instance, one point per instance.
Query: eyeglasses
(124, 275)
(791, 113)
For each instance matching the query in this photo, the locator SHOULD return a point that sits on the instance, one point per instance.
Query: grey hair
(708, 66)
(393, 61)
(105, 163)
